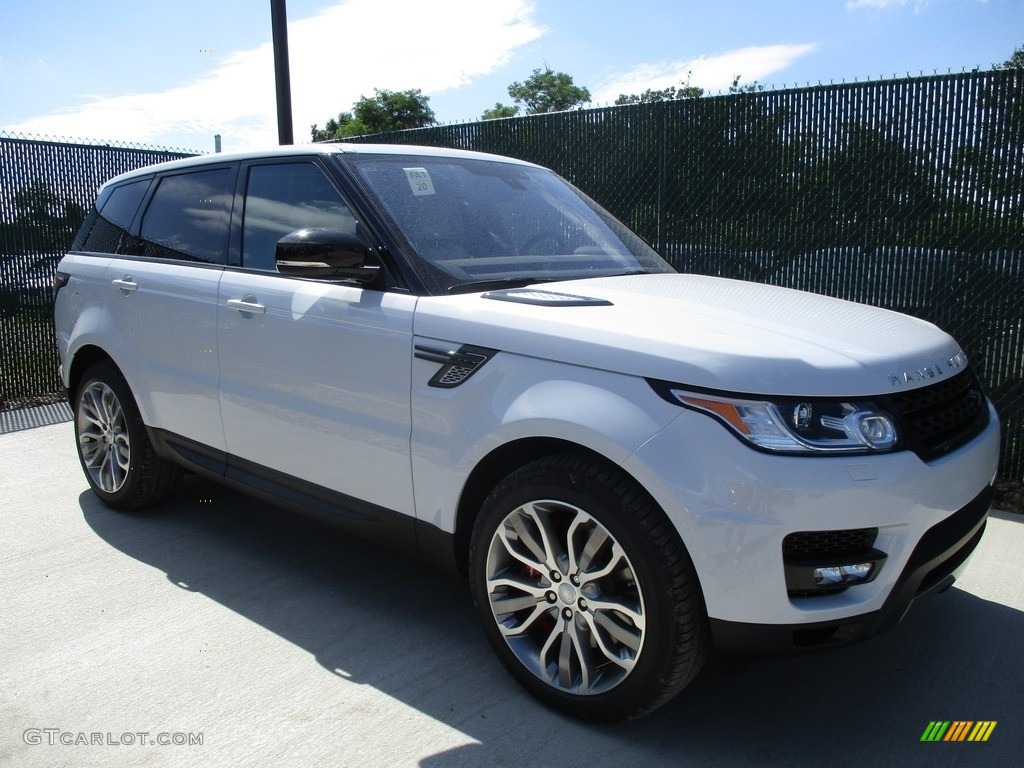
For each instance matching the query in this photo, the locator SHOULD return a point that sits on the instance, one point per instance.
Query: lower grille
(827, 544)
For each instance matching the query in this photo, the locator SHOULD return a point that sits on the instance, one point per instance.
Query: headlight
(801, 426)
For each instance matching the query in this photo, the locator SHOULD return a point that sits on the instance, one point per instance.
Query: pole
(279, 22)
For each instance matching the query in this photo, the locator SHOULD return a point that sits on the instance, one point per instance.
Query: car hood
(702, 332)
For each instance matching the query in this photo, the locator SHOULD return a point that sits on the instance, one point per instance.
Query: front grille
(939, 418)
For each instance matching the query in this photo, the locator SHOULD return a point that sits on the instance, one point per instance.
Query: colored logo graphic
(959, 730)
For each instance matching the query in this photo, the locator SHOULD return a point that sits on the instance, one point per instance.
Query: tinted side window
(189, 216)
(282, 198)
(109, 231)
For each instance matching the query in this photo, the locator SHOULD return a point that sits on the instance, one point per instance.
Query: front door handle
(126, 284)
(246, 305)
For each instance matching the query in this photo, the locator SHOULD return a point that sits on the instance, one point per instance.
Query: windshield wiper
(625, 274)
(500, 282)
(520, 282)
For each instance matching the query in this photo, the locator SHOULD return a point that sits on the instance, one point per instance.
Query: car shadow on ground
(373, 617)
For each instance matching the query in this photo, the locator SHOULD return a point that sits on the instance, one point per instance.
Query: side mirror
(326, 254)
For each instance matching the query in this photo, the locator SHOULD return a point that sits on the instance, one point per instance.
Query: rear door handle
(246, 305)
(125, 284)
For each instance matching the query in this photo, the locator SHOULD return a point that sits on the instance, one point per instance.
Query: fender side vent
(457, 365)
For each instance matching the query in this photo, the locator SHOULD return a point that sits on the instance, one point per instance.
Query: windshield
(485, 221)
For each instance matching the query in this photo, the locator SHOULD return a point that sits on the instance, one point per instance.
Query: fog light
(817, 574)
(843, 574)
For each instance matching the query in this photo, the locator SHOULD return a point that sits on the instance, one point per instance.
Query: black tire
(114, 448)
(618, 626)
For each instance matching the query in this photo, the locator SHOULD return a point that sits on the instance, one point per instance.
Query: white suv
(463, 356)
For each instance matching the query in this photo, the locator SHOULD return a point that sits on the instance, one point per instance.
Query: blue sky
(176, 73)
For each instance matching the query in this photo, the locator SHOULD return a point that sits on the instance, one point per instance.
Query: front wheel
(586, 592)
(113, 446)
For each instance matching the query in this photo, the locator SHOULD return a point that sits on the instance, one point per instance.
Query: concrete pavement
(273, 640)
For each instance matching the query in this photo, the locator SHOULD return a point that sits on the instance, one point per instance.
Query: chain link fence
(46, 188)
(906, 194)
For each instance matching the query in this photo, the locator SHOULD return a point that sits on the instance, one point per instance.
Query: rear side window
(189, 217)
(109, 230)
(282, 198)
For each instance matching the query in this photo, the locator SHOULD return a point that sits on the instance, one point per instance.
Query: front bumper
(736, 508)
(933, 566)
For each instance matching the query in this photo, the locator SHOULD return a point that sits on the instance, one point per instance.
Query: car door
(162, 321)
(314, 375)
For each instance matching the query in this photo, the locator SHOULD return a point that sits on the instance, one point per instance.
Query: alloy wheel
(565, 597)
(103, 437)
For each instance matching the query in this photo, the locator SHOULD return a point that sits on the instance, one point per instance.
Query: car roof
(307, 150)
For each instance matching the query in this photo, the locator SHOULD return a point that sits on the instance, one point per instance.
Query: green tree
(686, 90)
(394, 110)
(548, 91)
(992, 165)
(42, 226)
(342, 127)
(384, 111)
(1016, 61)
(500, 110)
(737, 87)
(42, 222)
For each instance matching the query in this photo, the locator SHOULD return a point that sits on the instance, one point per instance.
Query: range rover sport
(466, 358)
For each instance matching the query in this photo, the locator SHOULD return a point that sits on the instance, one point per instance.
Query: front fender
(513, 398)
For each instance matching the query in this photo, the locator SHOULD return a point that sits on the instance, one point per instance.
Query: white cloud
(712, 73)
(334, 58)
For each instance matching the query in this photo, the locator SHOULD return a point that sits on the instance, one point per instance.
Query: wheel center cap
(567, 594)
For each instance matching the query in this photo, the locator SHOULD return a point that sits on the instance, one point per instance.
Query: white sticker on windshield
(420, 181)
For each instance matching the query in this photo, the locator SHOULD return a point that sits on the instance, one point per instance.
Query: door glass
(109, 233)
(284, 198)
(189, 216)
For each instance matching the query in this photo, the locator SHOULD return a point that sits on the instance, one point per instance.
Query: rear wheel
(113, 446)
(586, 592)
